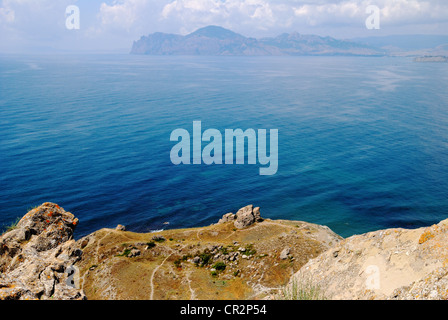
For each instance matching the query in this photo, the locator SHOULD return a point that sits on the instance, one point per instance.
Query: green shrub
(125, 253)
(250, 250)
(186, 257)
(205, 258)
(219, 266)
(151, 244)
(158, 239)
(178, 263)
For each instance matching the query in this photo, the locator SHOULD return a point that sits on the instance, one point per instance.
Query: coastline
(241, 257)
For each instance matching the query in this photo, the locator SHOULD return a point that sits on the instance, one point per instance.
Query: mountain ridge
(215, 40)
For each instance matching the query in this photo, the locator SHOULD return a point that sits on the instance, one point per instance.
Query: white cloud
(392, 12)
(123, 14)
(119, 22)
(235, 14)
(256, 15)
(32, 16)
(7, 13)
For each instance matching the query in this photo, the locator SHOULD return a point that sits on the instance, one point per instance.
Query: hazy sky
(109, 25)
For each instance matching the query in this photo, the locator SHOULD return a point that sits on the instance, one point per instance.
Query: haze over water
(363, 142)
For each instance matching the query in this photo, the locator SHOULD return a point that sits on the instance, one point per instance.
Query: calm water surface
(363, 142)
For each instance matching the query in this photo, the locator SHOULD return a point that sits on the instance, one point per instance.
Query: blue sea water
(363, 142)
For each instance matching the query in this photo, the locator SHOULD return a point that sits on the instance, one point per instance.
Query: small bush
(125, 253)
(186, 257)
(250, 250)
(206, 257)
(219, 266)
(178, 263)
(158, 239)
(151, 244)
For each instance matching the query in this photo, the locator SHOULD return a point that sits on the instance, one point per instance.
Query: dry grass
(302, 290)
(166, 271)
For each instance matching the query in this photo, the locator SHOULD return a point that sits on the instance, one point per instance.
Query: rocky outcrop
(242, 257)
(247, 216)
(218, 261)
(37, 257)
(385, 264)
(227, 218)
(244, 217)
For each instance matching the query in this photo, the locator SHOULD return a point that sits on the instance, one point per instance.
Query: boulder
(134, 253)
(243, 218)
(227, 217)
(35, 256)
(247, 216)
(285, 253)
(120, 227)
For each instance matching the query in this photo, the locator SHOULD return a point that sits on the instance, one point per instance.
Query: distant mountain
(405, 42)
(214, 40)
(408, 45)
(299, 44)
(431, 59)
(210, 40)
(217, 33)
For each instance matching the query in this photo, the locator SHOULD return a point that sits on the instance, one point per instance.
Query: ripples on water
(362, 141)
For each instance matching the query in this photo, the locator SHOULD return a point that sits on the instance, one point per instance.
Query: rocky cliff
(385, 264)
(243, 256)
(37, 257)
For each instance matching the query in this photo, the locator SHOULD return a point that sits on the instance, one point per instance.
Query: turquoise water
(363, 142)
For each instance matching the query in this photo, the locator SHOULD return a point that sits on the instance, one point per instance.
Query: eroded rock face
(247, 216)
(227, 217)
(244, 218)
(386, 264)
(36, 255)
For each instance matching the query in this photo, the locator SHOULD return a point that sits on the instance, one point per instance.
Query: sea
(362, 141)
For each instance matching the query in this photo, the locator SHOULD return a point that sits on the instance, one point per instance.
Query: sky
(113, 25)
